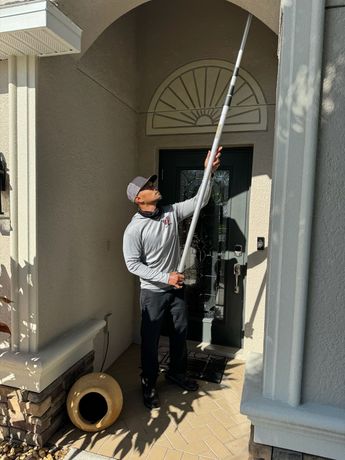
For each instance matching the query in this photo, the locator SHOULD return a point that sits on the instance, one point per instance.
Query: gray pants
(155, 306)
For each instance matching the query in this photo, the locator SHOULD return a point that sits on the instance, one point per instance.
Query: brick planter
(35, 417)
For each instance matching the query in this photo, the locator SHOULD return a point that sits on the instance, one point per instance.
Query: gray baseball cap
(137, 184)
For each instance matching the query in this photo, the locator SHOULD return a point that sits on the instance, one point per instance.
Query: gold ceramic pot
(94, 402)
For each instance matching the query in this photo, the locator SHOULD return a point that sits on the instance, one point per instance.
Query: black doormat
(202, 366)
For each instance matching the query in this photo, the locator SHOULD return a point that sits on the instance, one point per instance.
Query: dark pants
(154, 308)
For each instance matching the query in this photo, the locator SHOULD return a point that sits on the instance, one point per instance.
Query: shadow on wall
(18, 327)
(333, 79)
(254, 259)
(25, 322)
(5, 308)
(4, 197)
(18, 324)
(302, 92)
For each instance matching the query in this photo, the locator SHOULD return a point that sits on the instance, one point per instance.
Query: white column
(22, 145)
(292, 198)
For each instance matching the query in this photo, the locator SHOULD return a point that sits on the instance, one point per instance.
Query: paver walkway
(188, 426)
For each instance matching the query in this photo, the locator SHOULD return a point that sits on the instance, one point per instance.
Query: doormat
(201, 366)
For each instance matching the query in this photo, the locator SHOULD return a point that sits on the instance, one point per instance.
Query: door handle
(237, 273)
(238, 250)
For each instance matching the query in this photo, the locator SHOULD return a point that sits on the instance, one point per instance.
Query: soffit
(36, 28)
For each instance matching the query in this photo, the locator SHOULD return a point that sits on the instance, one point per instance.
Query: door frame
(225, 349)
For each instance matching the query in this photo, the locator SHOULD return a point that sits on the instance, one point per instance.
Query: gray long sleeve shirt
(151, 247)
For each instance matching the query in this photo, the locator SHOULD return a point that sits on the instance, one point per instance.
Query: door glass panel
(205, 264)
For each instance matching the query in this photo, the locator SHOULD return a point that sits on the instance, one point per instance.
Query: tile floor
(189, 426)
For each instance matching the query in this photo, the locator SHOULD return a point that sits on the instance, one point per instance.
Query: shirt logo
(166, 221)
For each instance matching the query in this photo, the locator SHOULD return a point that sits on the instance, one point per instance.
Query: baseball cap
(137, 184)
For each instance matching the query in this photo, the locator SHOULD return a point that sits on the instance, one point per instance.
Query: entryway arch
(95, 17)
(166, 44)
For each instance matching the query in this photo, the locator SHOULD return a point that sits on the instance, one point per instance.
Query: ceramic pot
(94, 402)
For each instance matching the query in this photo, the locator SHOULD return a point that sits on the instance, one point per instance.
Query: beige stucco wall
(324, 372)
(5, 273)
(86, 151)
(168, 39)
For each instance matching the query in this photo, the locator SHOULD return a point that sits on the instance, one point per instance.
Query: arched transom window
(190, 100)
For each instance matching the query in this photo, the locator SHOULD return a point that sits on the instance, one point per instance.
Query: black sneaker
(182, 381)
(150, 395)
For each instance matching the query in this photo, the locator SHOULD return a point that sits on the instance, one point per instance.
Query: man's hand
(176, 279)
(216, 161)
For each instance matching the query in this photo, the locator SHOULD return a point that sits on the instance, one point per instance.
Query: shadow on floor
(202, 424)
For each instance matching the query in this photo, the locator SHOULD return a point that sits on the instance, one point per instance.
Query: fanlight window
(190, 100)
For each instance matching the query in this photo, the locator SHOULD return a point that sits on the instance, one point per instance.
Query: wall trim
(310, 428)
(35, 371)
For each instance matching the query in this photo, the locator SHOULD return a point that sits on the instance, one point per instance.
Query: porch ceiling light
(37, 28)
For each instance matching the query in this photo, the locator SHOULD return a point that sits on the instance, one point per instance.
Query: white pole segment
(214, 149)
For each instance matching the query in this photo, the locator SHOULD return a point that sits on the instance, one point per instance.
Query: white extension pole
(214, 149)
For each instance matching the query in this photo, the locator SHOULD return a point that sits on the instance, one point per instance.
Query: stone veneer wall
(35, 417)
(263, 452)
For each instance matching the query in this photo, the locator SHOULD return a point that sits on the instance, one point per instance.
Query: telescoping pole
(214, 149)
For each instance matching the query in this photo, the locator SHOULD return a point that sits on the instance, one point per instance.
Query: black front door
(216, 263)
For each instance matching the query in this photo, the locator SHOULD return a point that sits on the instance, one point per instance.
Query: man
(152, 251)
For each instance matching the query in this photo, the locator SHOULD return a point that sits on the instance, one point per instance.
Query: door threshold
(221, 350)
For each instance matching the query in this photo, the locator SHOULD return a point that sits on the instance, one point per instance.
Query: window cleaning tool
(214, 149)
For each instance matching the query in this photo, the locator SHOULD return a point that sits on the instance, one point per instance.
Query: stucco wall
(169, 39)
(5, 273)
(324, 373)
(86, 151)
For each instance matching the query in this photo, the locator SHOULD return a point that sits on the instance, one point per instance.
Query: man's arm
(186, 208)
(132, 256)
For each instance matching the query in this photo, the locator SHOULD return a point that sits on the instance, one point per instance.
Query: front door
(216, 263)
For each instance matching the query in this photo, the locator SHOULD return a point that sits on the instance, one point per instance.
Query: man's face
(149, 194)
